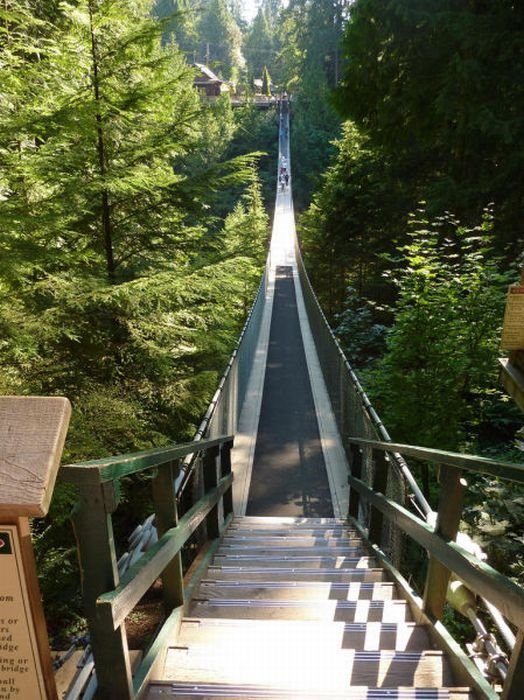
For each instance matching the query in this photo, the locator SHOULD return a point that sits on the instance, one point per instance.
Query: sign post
(32, 435)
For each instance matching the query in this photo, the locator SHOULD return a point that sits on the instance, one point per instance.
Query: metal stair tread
(290, 551)
(327, 574)
(216, 691)
(298, 540)
(310, 590)
(402, 636)
(324, 561)
(348, 611)
(306, 667)
(288, 521)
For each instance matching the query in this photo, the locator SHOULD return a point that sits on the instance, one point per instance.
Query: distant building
(208, 84)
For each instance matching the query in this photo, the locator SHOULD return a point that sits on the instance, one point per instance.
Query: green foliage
(309, 60)
(256, 129)
(120, 286)
(266, 82)
(495, 516)
(222, 37)
(260, 44)
(350, 221)
(442, 347)
(435, 83)
(361, 339)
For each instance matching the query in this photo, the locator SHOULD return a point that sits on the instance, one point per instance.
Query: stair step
(254, 521)
(303, 561)
(400, 636)
(267, 552)
(324, 610)
(292, 590)
(303, 668)
(286, 539)
(289, 573)
(216, 691)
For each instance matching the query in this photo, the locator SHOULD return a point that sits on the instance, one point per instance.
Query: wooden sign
(32, 435)
(21, 674)
(513, 327)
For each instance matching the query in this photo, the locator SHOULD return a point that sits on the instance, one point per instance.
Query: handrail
(109, 597)
(448, 558)
(119, 466)
(233, 383)
(506, 595)
(472, 463)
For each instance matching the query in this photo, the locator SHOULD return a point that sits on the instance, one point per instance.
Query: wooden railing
(108, 599)
(446, 557)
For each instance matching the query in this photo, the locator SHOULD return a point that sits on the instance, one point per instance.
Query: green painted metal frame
(108, 599)
(446, 556)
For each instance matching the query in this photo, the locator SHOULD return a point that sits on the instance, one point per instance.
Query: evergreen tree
(434, 383)
(348, 227)
(180, 22)
(266, 82)
(260, 44)
(221, 40)
(311, 34)
(437, 85)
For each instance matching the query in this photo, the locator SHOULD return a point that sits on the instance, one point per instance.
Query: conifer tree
(221, 40)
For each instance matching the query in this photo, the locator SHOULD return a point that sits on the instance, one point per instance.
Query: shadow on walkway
(289, 474)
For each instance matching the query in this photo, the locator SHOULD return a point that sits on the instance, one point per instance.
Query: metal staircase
(299, 608)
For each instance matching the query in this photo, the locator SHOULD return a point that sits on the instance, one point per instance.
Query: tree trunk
(106, 208)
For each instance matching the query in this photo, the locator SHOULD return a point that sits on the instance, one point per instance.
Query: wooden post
(166, 518)
(225, 470)
(94, 533)
(514, 682)
(356, 471)
(32, 435)
(452, 488)
(380, 481)
(210, 482)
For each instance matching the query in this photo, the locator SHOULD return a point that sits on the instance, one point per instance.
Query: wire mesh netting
(354, 413)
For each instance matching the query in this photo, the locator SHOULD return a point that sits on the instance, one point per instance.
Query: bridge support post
(380, 482)
(514, 682)
(166, 517)
(94, 533)
(225, 470)
(211, 478)
(356, 471)
(453, 487)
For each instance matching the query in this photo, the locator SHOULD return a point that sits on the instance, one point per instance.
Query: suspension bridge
(293, 506)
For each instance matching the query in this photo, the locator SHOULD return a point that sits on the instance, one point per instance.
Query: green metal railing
(108, 599)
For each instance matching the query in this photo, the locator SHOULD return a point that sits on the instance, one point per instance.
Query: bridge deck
(289, 473)
(288, 458)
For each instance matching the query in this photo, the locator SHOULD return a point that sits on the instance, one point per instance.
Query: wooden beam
(452, 489)
(166, 518)
(356, 470)
(32, 435)
(514, 683)
(94, 533)
(380, 482)
(512, 379)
